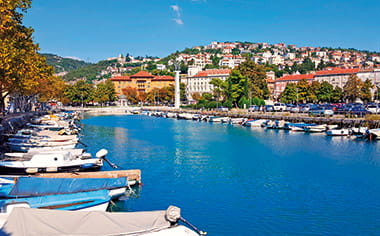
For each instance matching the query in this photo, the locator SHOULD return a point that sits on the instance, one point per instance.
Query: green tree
(104, 92)
(256, 75)
(326, 92)
(337, 95)
(365, 91)
(352, 89)
(303, 90)
(237, 86)
(220, 88)
(81, 92)
(289, 95)
(315, 90)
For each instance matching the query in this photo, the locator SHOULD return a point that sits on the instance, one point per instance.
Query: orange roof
(336, 71)
(296, 77)
(142, 74)
(120, 78)
(163, 78)
(213, 72)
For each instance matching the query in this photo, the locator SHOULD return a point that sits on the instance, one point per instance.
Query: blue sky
(96, 29)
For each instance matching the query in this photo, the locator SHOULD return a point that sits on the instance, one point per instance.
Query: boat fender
(51, 169)
(173, 214)
(101, 153)
(31, 170)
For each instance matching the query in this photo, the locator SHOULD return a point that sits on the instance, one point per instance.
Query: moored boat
(52, 222)
(50, 161)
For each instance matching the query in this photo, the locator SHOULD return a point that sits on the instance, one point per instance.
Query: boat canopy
(30, 186)
(25, 221)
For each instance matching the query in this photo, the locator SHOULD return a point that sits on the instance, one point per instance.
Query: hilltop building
(142, 81)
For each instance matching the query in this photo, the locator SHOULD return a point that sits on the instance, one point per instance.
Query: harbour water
(232, 180)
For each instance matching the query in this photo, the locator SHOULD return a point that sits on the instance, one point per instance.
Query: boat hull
(27, 171)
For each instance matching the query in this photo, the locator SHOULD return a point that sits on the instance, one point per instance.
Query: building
(142, 81)
(200, 83)
(280, 84)
(335, 76)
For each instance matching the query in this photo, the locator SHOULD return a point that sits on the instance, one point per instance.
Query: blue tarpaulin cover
(29, 186)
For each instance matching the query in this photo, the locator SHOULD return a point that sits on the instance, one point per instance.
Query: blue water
(231, 180)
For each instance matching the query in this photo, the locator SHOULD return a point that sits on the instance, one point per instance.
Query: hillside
(90, 72)
(62, 64)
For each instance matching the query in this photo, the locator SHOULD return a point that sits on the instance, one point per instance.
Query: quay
(294, 118)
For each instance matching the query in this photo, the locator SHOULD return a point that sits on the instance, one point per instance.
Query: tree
(24, 73)
(81, 92)
(337, 94)
(326, 92)
(196, 96)
(237, 86)
(130, 94)
(104, 92)
(289, 95)
(365, 91)
(220, 88)
(303, 90)
(315, 89)
(256, 76)
(352, 89)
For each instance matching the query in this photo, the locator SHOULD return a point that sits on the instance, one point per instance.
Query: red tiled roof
(337, 71)
(120, 78)
(142, 74)
(163, 78)
(213, 72)
(296, 77)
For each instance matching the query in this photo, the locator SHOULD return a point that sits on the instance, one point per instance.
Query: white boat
(185, 116)
(24, 221)
(315, 128)
(338, 132)
(295, 127)
(373, 134)
(319, 128)
(24, 147)
(237, 120)
(171, 115)
(254, 123)
(53, 161)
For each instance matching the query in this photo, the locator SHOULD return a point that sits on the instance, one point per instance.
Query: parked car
(306, 108)
(222, 109)
(295, 109)
(279, 106)
(253, 108)
(268, 108)
(289, 107)
(373, 108)
(322, 110)
(358, 111)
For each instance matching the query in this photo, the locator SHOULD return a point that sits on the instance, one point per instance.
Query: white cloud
(176, 9)
(178, 21)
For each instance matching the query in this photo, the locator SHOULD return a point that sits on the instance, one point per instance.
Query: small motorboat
(53, 222)
(51, 161)
(83, 201)
(338, 132)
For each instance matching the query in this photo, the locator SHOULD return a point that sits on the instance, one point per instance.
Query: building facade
(142, 81)
(200, 83)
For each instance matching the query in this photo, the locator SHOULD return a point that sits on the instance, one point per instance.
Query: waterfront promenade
(340, 120)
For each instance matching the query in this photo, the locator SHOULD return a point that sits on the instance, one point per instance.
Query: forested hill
(63, 64)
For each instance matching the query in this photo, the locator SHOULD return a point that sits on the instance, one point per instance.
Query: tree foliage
(352, 89)
(24, 73)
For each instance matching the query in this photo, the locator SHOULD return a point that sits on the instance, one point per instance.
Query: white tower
(177, 89)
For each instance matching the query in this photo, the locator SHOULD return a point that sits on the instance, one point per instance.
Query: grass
(372, 117)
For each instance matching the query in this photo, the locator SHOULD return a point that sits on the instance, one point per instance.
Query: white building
(200, 83)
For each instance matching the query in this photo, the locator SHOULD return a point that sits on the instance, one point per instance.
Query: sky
(94, 30)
